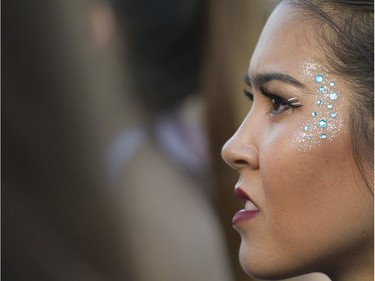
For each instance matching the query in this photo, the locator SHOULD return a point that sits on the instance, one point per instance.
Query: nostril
(240, 162)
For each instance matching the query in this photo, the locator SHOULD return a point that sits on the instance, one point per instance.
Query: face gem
(319, 78)
(322, 123)
(332, 95)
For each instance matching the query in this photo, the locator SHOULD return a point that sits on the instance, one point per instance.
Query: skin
(315, 212)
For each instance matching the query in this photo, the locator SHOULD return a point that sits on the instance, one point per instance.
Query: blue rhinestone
(307, 128)
(314, 114)
(319, 102)
(319, 78)
(334, 114)
(332, 84)
(322, 89)
(309, 137)
(329, 106)
(323, 136)
(332, 95)
(322, 123)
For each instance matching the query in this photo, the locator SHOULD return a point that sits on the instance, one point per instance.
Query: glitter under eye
(313, 131)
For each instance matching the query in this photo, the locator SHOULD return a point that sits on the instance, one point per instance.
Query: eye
(279, 105)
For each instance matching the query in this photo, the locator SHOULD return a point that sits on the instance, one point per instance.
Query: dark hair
(350, 53)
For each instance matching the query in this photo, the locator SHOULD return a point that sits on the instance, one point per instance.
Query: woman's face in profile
(305, 202)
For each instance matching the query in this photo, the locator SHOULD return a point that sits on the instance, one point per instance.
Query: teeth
(249, 206)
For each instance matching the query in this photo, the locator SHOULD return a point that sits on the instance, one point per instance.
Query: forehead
(287, 41)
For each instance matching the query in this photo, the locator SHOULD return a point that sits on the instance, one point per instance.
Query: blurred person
(304, 152)
(160, 163)
(58, 220)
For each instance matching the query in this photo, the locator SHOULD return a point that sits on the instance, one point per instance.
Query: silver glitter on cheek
(323, 123)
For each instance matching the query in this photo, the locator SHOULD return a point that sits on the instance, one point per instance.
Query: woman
(305, 150)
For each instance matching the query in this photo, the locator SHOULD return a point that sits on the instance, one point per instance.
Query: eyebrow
(263, 78)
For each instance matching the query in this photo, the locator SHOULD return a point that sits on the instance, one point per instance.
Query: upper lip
(242, 195)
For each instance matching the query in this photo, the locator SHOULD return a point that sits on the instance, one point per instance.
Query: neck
(357, 267)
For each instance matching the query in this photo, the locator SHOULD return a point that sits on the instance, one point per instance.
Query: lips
(240, 194)
(249, 212)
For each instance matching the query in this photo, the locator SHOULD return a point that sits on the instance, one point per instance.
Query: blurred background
(114, 113)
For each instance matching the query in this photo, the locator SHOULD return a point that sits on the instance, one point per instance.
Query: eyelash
(278, 104)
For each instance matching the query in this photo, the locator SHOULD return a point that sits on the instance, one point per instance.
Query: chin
(262, 266)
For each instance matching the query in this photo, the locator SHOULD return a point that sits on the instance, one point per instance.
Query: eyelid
(265, 92)
(293, 101)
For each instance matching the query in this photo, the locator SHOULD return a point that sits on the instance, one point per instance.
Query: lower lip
(243, 215)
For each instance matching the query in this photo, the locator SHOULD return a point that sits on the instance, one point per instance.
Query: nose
(241, 151)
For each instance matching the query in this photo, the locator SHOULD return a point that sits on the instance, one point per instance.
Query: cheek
(288, 185)
(299, 184)
(312, 199)
(311, 207)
